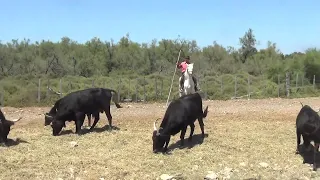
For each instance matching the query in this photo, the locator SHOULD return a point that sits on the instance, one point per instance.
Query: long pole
(173, 77)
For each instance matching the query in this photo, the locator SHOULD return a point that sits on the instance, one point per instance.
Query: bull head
(47, 119)
(158, 141)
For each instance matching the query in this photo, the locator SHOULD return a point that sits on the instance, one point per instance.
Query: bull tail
(115, 98)
(205, 113)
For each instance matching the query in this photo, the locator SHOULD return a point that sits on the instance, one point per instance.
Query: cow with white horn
(5, 125)
(180, 114)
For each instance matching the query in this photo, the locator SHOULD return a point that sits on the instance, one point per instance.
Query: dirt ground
(246, 139)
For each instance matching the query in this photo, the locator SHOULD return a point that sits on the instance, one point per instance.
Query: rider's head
(187, 59)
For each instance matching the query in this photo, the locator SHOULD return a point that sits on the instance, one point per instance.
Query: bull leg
(108, 114)
(79, 122)
(96, 119)
(315, 150)
(165, 149)
(191, 131)
(183, 133)
(200, 119)
(306, 143)
(298, 140)
(4, 141)
(89, 119)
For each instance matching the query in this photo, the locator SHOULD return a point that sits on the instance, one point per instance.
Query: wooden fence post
(161, 91)
(235, 86)
(287, 84)
(144, 89)
(60, 87)
(39, 90)
(1, 99)
(297, 79)
(314, 81)
(119, 91)
(249, 89)
(129, 89)
(156, 89)
(137, 90)
(48, 85)
(221, 82)
(206, 84)
(278, 85)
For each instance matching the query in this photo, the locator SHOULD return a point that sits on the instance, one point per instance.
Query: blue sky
(292, 24)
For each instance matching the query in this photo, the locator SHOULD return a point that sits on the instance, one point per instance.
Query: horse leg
(195, 84)
(181, 85)
(181, 82)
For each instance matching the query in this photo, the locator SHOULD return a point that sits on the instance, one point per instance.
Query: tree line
(105, 58)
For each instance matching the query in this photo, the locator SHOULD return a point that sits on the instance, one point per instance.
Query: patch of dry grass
(241, 134)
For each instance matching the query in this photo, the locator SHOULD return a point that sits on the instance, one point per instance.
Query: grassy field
(246, 139)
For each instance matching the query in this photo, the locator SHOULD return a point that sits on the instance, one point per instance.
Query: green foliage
(144, 65)
(248, 43)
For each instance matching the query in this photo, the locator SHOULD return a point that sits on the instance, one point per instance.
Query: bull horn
(154, 126)
(47, 115)
(301, 103)
(16, 120)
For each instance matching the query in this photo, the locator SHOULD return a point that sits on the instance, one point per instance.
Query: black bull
(5, 126)
(180, 114)
(308, 126)
(76, 105)
(49, 116)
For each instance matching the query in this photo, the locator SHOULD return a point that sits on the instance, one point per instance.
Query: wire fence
(156, 88)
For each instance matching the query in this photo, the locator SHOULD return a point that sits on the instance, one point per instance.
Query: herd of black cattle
(180, 114)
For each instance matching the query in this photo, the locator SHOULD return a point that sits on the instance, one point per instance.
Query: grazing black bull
(180, 114)
(76, 105)
(5, 126)
(48, 116)
(308, 126)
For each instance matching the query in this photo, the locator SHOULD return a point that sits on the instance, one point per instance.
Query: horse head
(189, 69)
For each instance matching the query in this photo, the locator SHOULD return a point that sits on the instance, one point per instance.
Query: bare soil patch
(250, 138)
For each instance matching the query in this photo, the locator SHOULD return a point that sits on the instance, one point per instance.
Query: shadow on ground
(196, 140)
(12, 142)
(307, 155)
(96, 129)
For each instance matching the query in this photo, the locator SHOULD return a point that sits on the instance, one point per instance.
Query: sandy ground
(246, 139)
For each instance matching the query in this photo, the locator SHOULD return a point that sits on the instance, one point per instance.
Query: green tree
(248, 43)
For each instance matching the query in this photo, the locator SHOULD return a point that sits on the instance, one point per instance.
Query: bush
(22, 91)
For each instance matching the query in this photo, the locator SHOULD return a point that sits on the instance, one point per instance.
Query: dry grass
(241, 134)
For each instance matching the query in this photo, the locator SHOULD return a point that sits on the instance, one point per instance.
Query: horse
(188, 85)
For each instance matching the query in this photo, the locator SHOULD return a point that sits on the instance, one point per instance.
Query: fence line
(135, 90)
